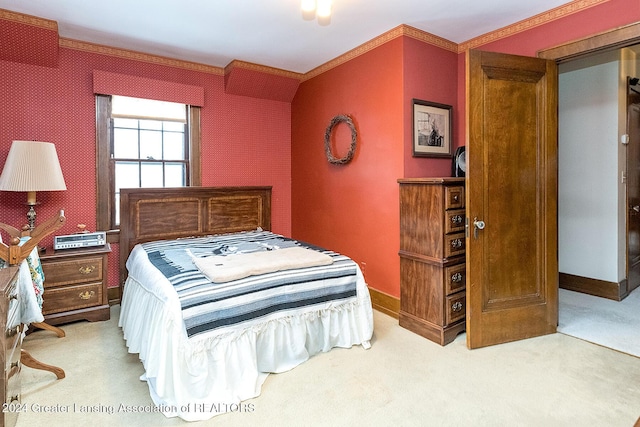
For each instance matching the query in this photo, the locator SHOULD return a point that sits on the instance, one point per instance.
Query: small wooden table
(75, 283)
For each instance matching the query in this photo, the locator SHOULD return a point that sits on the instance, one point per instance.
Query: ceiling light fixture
(320, 9)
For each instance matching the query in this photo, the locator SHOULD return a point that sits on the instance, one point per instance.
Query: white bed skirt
(198, 378)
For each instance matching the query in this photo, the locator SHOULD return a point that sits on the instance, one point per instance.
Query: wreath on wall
(327, 140)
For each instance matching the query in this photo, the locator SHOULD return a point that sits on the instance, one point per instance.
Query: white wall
(589, 171)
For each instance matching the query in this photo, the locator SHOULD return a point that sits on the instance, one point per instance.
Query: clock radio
(80, 240)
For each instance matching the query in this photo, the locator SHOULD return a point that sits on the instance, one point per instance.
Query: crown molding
(34, 21)
(399, 31)
(529, 23)
(138, 56)
(402, 30)
(261, 69)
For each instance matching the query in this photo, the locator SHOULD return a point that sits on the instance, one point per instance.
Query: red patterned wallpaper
(245, 140)
(28, 39)
(247, 79)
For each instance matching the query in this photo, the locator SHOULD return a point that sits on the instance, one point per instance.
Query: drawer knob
(456, 243)
(457, 306)
(456, 277)
(86, 295)
(87, 269)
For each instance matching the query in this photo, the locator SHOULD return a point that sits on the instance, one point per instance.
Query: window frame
(105, 172)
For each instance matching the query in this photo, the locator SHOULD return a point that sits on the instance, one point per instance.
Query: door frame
(609, 40)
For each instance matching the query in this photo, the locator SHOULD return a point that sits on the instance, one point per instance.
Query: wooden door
(633, 189)
(512, 261)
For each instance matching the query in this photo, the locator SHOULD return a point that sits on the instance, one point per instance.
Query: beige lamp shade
(32, 166)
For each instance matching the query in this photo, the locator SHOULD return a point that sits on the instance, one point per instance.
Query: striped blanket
(208, 306)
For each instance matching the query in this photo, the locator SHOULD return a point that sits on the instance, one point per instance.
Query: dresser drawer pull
(456, 243)
(456, 277)
(457, 306)
(12, 332)
(456, 220)
(86, 294)
(87, 269)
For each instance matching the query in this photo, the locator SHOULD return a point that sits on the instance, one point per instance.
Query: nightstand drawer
(71, 271)
(69, 298)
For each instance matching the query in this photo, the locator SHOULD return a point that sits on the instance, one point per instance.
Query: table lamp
(32, 166)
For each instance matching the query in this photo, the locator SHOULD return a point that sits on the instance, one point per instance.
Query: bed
(207, 331)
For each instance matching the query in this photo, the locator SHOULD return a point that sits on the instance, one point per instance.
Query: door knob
(477, 225)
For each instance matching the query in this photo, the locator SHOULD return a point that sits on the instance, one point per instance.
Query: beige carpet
(613, 324)
(403, 380)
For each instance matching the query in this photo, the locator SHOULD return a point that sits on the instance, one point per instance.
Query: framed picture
(432, 129)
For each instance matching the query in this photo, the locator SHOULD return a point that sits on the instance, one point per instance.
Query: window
(142, 143)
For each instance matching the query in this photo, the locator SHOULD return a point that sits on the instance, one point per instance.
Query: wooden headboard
(148, 214)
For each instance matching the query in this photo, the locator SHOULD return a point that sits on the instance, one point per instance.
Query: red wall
(353, 208)
(245, 140)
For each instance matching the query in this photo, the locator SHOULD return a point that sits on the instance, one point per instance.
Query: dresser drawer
(454, 221)
(455, 278)
(13, 309)
(70, 271)
(454, 244)
(456, 307)
(454, 197)
(12, 346)
(13, 398)
(72, 298)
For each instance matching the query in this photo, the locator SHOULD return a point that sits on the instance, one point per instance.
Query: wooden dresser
(10, 316)
(432, 257)
(75, 282)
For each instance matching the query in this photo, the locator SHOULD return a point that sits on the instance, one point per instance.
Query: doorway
(596, 228)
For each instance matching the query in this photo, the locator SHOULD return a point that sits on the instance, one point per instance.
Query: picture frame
(432, 129)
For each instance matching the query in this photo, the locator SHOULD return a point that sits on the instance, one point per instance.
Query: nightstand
(75, 283)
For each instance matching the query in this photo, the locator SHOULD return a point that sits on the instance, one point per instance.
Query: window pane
(174, 126)
(152, 175)
(150, 144)
(125, 123)
(125, 143)
(151, 124)
(117, 207)
(174, 146)
(127, 175)
(175, 174)
(137, 107)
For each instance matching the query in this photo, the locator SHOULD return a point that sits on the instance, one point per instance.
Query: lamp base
(31, 217)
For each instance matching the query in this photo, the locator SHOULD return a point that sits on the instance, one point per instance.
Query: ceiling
(267, 32)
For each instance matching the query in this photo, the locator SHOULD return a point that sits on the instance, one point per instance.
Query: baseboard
(599, 288)
(385, 303)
